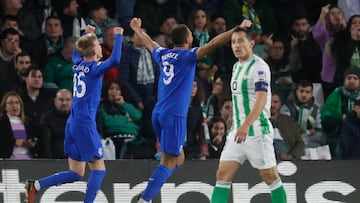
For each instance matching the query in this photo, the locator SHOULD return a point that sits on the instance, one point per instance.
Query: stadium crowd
(311, 46)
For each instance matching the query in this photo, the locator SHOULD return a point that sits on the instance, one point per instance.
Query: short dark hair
(21, 55)
(179, 34)
(9, 18)
(9, 31)
(247, 32)
(30, 69)
(304, 83)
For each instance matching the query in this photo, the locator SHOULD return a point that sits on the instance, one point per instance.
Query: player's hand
(241, 133)
(118, 30)
(245, 24)
(89, 29)
(135, 23)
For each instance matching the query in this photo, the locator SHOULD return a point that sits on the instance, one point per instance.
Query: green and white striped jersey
(245, 75)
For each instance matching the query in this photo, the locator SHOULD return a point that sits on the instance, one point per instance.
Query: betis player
(251, 136)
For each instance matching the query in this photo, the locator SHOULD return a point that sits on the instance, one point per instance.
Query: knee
(269, 177)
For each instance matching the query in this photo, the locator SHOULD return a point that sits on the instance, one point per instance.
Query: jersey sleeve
(157, 52)
(261, 77)
(114, 59)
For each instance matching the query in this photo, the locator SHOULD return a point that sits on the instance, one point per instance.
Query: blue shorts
(171, 132)
(82, 140)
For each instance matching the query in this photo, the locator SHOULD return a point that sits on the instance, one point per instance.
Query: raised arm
(135, 25)
(219, 40)
(76, 57)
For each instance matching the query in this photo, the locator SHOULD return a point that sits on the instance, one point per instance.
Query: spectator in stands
(259, 12)
(338, 104)
(222, 57)
(303, 44)
(53, 124)
(221, 90)
(199, 23)
(210, 6)
(58, 72)
(121, 119)
(346, 48)
(36, 101)
(350, 134)
(282, 66)
(139, 71)
(153, 11)
(72, 23)
(217, 129)
(302, 108)
(10, 40)
(107, 47)
(33, 15)
(11, 7)
(166, 28)
(48, 43)
(22, 62)
(17, 135)
(288, 143)
(331, 20)
(226, 112)
(195, 140)
(98, 17)
(9, 21)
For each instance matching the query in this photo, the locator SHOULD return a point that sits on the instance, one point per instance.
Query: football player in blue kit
(82, 141)
(177, 72)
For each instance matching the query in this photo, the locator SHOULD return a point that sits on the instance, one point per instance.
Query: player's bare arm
(220, 40)
(254, 114)
(135, 25)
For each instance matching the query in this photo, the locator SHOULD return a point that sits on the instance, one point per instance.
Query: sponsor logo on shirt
(261, 75)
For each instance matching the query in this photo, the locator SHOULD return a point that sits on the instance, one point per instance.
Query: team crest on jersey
(261, 75)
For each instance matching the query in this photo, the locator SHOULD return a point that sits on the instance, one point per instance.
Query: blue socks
(93, 185)
(156, 181)
(59, 178)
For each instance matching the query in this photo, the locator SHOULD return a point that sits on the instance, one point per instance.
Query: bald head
(63, 100)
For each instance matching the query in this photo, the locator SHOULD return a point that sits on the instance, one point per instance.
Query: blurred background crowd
(311, 46)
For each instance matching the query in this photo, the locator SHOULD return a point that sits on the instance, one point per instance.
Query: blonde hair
(3, 105)
(85, 44)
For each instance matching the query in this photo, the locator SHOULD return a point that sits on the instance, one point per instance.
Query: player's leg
(75, 173)
(231, 158)
(171, 142)
(97, 173)
(262, 157)
(224, 176)
(271, 177)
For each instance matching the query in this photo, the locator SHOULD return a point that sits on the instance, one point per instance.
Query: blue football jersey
(88, 77)
(177, 72)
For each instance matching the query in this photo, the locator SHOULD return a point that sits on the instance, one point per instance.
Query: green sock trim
(221, 192)
(278, 194)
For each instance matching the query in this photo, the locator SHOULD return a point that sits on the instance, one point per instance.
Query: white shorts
(259, 150)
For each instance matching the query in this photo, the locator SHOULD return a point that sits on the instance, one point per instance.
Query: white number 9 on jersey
(79, 85)
(168, 71)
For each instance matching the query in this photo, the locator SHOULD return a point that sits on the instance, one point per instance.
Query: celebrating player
(82, 141)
